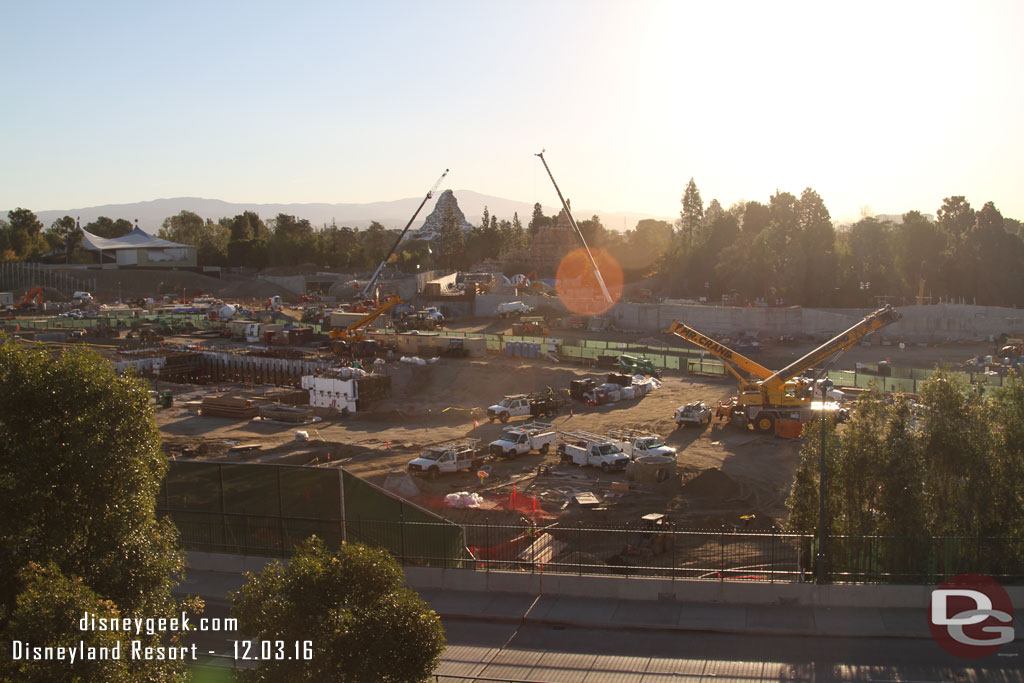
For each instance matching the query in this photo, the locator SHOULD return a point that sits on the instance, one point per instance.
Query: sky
(880, 107)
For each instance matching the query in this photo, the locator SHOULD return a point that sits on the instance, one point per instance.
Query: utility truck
(509, 309)
(694, 413)
(584, 448)
(636, 444)
(537, 405)
(535, 436)
(452, 456)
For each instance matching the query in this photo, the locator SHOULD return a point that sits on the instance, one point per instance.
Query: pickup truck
(447, 458)
(524, 404)
(511, 308)
(536, 436)
(585, 449)
(696, 413)
(635, 445)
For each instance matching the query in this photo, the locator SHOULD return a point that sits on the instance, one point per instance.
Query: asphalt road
(536, 653)
(479, 650)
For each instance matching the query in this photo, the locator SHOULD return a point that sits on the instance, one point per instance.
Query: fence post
(401, 531)
(487, 545)
(721, 555)
(771, 557)
(579, 548)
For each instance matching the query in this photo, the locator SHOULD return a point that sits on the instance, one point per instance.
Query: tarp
(136, 239)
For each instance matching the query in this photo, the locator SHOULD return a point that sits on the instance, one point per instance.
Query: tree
(23, 230)
(47, 612)
(692, 215)
(756, 217)
(918, 246)
(451, 238)
(950, 469)
(109, 228)
(819, 245)
(485, 221)
(537, 220)
(365, 626)
(80, 468)
(66, 235)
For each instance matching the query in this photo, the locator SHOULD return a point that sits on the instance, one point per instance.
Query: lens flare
(577, 285)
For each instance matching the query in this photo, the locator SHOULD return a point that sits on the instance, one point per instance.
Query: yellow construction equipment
(357, 330)
(768, 396)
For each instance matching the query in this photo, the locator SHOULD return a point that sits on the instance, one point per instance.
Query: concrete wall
(693, 591)
(628, 588)
(920, 324)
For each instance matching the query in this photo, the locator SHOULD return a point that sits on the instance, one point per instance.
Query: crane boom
(354, 332)
(838, 344)
(686, 332)
(572, 221)
(782, 395)
(376, 274)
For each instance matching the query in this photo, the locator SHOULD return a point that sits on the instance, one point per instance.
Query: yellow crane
(357, 330)
(766, 396)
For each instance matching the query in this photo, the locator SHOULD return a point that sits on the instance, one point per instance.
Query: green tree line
(950, 465)
(783, 252)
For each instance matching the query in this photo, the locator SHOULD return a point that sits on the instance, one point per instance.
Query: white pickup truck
(635, 445)
(511, 308)
(582, 448)
(536, 436)
(696, 413)
(447, 458)
(510, 406)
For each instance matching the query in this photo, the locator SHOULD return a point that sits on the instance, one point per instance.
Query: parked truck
(695, 413)
(584, 448)
(535, 436)
(509, 309)
(537, 405)
(452, 456)
(636, 444)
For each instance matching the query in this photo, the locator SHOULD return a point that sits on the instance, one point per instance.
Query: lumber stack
(229, 406)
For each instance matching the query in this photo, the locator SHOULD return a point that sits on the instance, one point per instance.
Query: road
(479, 650)
(538, 653)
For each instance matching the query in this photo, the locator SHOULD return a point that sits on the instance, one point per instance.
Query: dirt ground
(448, 400)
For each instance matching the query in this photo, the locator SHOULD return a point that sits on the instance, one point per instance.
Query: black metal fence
(725, 555)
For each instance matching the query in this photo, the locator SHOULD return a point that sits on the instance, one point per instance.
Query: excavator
(766, 396)
(37, 294)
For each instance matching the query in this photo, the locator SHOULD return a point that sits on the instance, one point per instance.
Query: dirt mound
(712, 483)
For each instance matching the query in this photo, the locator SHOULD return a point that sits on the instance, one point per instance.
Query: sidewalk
(637, 615)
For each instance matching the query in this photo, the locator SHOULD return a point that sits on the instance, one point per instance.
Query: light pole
(826, 385)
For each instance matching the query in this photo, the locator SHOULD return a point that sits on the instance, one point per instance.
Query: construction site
(240, 382)
(530, 421)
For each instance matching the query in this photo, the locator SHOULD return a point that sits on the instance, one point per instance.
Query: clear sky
(891, 105)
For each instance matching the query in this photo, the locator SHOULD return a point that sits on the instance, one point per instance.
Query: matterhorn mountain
(431, 229)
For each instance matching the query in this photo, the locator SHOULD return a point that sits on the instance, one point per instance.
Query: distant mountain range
(391, 214)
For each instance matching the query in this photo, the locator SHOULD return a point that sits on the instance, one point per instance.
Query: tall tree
(692, 215)
(23, 230)
(362, 624)
(67, 235)
(819, 245)
(537, 220)
(80, 468)
(451, 237)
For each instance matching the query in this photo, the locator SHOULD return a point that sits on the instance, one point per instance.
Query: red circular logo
(971, 616)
